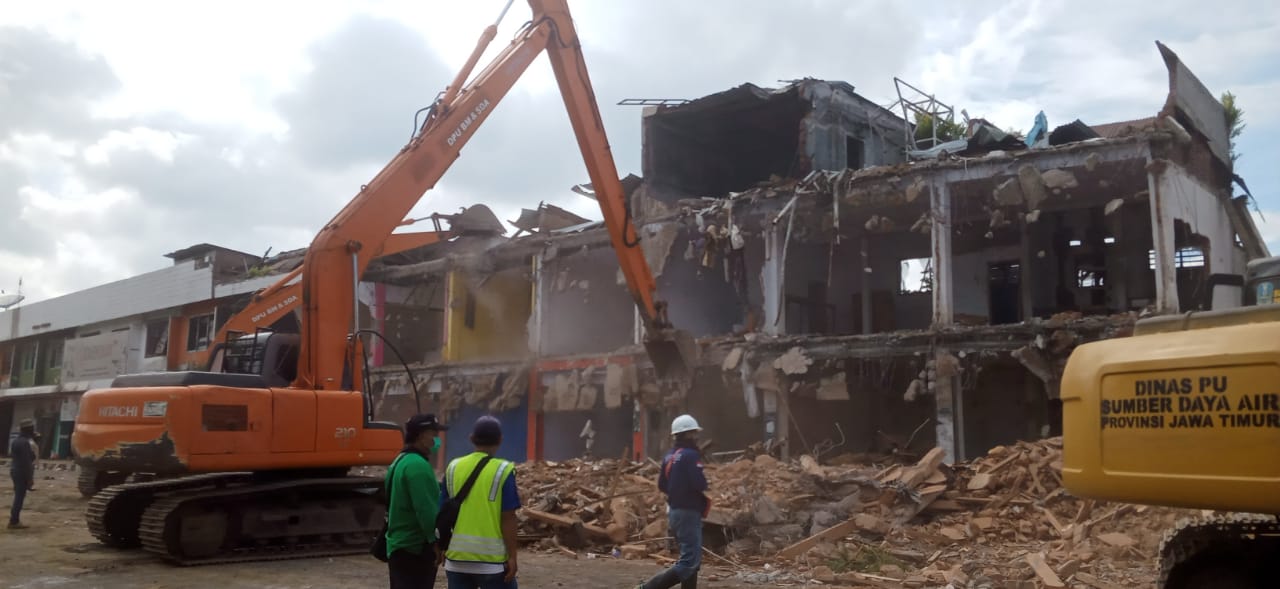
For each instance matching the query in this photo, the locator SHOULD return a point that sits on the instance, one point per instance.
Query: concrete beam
(506, 255)
(1063, 157)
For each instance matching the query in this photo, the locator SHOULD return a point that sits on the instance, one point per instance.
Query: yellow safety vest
(478, 535)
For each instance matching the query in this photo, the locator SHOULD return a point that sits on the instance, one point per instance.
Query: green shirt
(415, 500)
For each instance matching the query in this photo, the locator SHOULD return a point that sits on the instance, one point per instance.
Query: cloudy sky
(131, 129)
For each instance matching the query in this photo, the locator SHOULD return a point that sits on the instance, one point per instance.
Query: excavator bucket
(673, 353)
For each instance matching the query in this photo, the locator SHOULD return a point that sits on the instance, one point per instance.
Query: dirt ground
(57, 551)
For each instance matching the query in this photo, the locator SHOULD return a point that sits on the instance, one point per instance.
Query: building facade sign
(95, 357)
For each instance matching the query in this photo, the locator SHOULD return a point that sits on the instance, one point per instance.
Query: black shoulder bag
(447, 517)
(379, 547)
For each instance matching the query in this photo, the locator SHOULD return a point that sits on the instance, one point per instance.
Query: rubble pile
(998, 521)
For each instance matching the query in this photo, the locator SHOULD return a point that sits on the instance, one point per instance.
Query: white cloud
(249, 124)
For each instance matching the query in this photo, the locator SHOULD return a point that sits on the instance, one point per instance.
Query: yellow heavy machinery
(1186, 413)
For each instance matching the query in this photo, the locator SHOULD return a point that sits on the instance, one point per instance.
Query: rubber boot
(691, 582)
(664, 580)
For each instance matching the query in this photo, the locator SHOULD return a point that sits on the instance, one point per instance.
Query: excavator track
(1227, 551)
(114, 513)
(90, 481)
(300, 518)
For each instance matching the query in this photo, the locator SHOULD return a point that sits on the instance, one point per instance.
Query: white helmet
(684, 423)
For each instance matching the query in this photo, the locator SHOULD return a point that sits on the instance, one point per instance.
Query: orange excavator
(250, 458)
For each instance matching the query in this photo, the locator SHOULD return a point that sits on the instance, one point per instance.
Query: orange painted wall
(178, 354)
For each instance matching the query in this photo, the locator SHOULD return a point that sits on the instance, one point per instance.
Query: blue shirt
(682, 479)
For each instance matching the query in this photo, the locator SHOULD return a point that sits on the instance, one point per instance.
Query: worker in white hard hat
(682, 479)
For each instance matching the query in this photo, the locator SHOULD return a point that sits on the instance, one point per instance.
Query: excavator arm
(346, 244)
(285, 295)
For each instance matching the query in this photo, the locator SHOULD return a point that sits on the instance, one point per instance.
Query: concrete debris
(656, 244)
(915, 188)
(1007, 510)
(619, 383)
(924, 224)
(1058, 180)
(1032, 184)
(1034, 361)
(793, 362)
(732, 359)
(914, 390)
(947, 366)
(1091, 162)
(1008, 193)
(879, 223)
(1113, 206)
(998, 219)
(833, 388)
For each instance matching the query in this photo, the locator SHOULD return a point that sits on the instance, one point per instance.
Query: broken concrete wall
(703, 288)
(911, 309)
(845, 130)
(574, 398)
(1118, 243)
(972, 280)
(583, 308)
(723, 142)
(810, 307)
(412, 319)
(1005, 404)
(1184, 198)
(872, 415)
(824, 285)
(488, 315)
(722, 411)
(729, 141)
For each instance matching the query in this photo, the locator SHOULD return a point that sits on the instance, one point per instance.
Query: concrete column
(866, 285)
(1025, 258)
(535, 316)
(1162, 240)
(949, 422)
(943, 300)
(773, 281)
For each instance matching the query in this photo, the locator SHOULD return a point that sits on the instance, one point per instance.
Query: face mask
(435, 445)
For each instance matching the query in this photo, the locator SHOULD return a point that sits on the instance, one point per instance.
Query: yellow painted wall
(502, 307)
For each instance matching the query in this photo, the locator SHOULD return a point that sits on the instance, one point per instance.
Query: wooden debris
(776, 511)
(835, 532)
(1117, 539)
(979, 482)
(1042, 570)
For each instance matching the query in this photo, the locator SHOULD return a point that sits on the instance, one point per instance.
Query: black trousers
(413, 570)
(20, 485)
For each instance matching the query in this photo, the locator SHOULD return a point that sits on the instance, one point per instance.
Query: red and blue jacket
(682, 479)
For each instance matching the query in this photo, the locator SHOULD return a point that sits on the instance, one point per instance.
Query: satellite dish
(9, 300)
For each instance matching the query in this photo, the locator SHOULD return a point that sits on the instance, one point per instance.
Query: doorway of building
(1005, 282)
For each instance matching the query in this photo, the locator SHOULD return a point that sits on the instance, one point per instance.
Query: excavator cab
(272, 355)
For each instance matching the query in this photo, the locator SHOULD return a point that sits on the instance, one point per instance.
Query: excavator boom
(272, 430)
(354, 235)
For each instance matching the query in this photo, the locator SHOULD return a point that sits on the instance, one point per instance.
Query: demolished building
(846, 298)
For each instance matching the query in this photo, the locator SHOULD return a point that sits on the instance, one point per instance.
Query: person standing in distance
(22, 469)
(412, 555)
(682, 479)
(482, 552)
